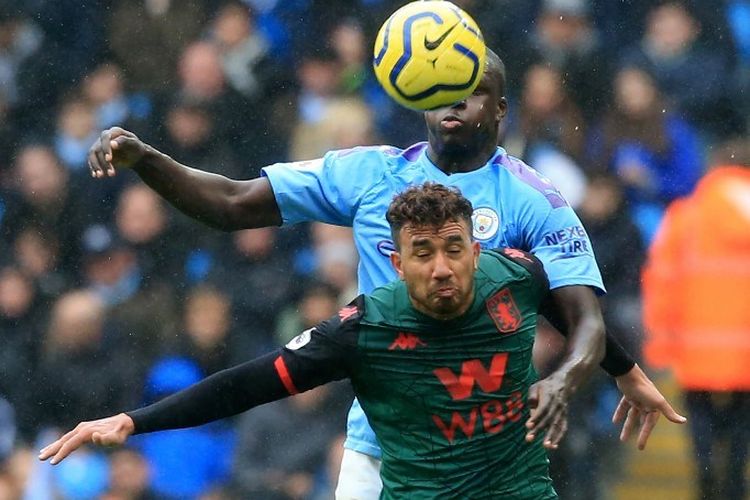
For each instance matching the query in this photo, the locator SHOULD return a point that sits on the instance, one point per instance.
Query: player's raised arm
(220, 202)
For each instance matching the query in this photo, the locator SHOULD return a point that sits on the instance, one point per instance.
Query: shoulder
(524, 177)
(516, 258)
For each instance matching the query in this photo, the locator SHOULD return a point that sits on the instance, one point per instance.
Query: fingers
(101, 153)
(620, 411)
(64, 446)
(649, 421)
(671, 415)
(556, 431)
(631, 422)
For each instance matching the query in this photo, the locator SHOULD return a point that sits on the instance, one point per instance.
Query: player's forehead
(450, 231)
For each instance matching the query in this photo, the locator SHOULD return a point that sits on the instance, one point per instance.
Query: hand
(643, 404)
(110, 431)
(115, 148)
(548, 400)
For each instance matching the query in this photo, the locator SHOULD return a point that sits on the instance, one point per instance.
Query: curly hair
(431, 205)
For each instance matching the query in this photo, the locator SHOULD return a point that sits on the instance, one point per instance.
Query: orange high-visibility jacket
(696, 286)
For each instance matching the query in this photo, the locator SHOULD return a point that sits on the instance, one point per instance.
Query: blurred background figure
(655, 154)
(184, 463)
(283, 448)
(129, 477)
(673, 50)
(696, 286)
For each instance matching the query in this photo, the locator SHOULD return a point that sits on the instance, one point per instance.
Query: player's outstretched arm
(220, 202)
(110, 431)
(640, 406)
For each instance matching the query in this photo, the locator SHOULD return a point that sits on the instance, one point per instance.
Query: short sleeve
(327, 189)
(559, 240)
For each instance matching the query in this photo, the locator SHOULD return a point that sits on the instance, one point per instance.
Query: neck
(452, 161)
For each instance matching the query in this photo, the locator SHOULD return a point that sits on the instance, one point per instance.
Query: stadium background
(109, 298)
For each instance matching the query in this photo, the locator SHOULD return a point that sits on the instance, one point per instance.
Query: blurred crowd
(110, 299)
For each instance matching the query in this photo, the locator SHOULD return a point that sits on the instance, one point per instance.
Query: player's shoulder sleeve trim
(528, 261)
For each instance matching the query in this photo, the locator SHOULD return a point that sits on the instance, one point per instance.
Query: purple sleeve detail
(412, 152)
(529, 176)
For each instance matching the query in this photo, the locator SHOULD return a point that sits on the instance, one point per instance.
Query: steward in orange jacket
(696, 286)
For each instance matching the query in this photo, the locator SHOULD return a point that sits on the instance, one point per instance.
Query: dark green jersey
(447, 399)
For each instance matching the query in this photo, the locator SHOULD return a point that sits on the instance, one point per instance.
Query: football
(429, 54)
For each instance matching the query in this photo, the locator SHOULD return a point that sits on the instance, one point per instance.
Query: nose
(442, 270)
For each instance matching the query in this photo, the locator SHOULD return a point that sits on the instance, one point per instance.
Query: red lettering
(457, 421)
(491, 411)
(514, 407)
(460, 387)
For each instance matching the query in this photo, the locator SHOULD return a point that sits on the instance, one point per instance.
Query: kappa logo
(516, 254)
(504, 311)
(486, 222)
(347, 312)
(406, 342)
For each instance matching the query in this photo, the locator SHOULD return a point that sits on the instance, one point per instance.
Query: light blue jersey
(513, 207)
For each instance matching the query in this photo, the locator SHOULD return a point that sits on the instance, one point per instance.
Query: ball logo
(486, 223)
(300, 340)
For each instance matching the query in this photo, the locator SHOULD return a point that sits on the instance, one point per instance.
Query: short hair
(494, 64)
(427, 205)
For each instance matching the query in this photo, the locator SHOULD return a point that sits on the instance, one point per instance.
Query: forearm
(616, 362)
(586, 347)
(221, 395)
(210, 198)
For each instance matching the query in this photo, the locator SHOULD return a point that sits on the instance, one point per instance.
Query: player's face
(469, 124)
(438, 267)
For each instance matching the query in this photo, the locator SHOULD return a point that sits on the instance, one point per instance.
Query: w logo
(473, 371)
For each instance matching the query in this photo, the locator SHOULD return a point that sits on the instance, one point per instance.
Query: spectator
(653, 152)
(42, 197)
(283, 444)
(564, 38)
(148, 36)
(104, 88)
(64, 389)
(21, 321)
(256, 275)
(209, 338)
(184, 463)
(548, 117)
(76, 129)
(141, 320)
(670, 49)
(696, 285)
(129, 477)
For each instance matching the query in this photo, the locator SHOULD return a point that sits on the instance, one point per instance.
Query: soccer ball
(429, 54)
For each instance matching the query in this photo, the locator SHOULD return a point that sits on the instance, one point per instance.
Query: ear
(396, 263)
(502, 109)
(476, 249)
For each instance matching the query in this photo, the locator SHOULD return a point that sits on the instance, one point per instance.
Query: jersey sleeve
(532, 264)
(556, 236)
(327, 189)
(319, 355)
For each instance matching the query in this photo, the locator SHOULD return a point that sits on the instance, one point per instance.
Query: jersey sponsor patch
(300, 340)
(504, 311)
(486, 222)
